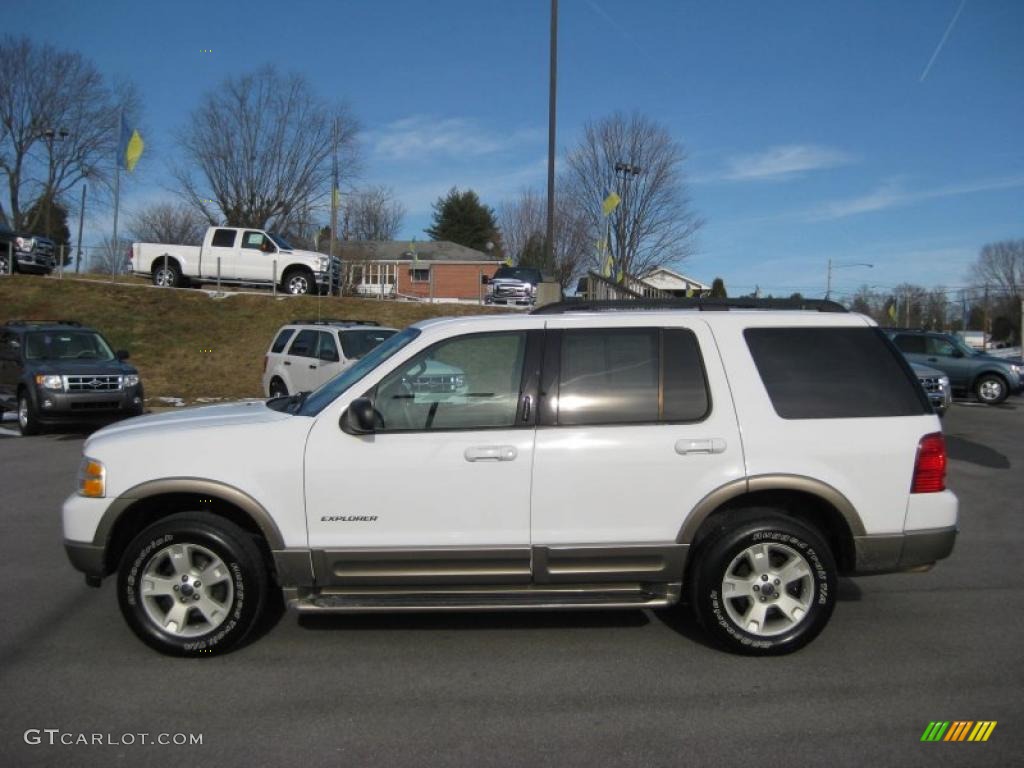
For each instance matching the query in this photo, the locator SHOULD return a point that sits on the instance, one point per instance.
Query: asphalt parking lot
(594, 689)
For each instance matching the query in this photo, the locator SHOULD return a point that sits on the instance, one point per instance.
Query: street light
(831, 266)
(623, 172)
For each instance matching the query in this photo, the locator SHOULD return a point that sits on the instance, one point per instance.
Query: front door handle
(686, 446)
(312, 367)
(491, 453)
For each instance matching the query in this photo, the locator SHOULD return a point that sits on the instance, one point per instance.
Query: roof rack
(704, 304)
(330, 321)
(74, 323)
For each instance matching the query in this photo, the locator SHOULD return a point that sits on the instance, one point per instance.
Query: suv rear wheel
(765, 586)
(192, 584)
(990, 389)
(28, 420)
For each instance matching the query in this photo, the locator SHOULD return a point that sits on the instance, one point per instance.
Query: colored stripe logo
(959, 730)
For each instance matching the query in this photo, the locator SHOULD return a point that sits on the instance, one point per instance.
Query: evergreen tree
(718, 289)
(57, 231)
(460, 217)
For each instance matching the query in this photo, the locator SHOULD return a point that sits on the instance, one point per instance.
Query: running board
(483, 598)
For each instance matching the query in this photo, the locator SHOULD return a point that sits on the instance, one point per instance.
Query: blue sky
(859, 131)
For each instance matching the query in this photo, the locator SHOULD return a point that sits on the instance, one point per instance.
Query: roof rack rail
(74, 323)
(333, 321)
(704, 304)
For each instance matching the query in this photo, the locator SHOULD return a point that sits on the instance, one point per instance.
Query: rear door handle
(312, 367)
(491, 453)
(686, 446)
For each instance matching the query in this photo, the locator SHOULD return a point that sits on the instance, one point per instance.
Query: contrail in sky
(942, 42)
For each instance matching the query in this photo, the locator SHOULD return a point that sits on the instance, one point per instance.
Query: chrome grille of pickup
(931, 384)
(93, 383)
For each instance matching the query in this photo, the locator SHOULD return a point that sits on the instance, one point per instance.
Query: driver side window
(469, 382)
(940, 347)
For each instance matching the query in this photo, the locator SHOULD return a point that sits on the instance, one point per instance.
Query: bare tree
(58, 125)
(523, 225)
(110, 259)
(1001, 266)
(261, 147)
(373, 213)
(654, 223)
(168, 223)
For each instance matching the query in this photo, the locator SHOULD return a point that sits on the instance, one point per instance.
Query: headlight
(132, 380)
(1016, 369)
(50, 382)
(25, 243)
(324, 261)
(944, 382)
(92, 478)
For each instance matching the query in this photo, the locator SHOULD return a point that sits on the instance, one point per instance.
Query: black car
(31, 253)
(63, 372)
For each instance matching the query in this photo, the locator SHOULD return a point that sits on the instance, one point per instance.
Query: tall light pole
(831, 266)
(623, 172)
(549, 240)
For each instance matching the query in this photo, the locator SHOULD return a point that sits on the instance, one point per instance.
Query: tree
(57, 125)
(524, 224)
(110, 259)
(53, 224)
(261, 147)
(999, 272)
(653, 223)
(460, 217)
(718, 289)
(373, 213)
(168, 223)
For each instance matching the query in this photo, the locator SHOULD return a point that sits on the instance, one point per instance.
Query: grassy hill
(184, 343)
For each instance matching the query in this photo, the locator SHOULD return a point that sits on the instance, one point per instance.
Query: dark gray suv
(62, 372)
(988, 377)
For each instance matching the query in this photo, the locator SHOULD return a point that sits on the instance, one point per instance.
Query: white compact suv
(736, 455)
(306, 353)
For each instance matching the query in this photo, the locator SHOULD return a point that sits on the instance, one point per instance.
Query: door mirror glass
(122, 354)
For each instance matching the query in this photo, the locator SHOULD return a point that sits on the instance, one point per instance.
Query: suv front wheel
(763, 587)
(990, 389)
(192, 584)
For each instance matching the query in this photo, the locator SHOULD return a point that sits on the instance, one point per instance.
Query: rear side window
(910, 344)
(223, 238)
(834, 373)
(630, 376)
(355, 344)
(304, 344)
(282, 340)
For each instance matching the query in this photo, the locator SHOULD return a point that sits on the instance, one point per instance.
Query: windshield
(330, 390)
(518, 273)
(281, 243)
(66, 345)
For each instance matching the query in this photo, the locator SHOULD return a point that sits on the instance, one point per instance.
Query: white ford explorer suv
(583, 456)
(306, 353)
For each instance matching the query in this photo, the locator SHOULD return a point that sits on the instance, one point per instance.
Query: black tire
(730, 552)
(166, 278)
(237, 589)
(277, 388)
(298, 282)
(28, 417)
(991, 389)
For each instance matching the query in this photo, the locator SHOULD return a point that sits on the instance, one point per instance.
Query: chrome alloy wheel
(299, 284)
(768, 589)
(186, 590)
(23, 412)
(991, 390)
(164, 278)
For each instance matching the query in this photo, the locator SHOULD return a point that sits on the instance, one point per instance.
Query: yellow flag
(608, 267)
(610, 203)
(892, 311)
(133, 151)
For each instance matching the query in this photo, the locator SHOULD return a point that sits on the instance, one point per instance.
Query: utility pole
(334, 192)
(828, 281)
(549, 240)
(81, 219)
(906, 300)
(984, 321)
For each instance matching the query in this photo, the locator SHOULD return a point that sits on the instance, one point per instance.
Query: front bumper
(34, 261)
(54, 407)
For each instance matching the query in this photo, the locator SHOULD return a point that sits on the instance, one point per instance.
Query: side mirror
(360, 418)
(484, 279)
(122, 354)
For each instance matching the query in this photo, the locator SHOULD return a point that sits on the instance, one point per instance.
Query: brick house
(435, 270)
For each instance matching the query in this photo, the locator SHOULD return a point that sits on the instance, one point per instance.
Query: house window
(420, 274)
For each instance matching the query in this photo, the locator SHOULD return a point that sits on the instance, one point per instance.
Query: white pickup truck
(238, 256)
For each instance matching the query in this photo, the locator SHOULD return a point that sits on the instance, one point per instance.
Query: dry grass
(167, 332)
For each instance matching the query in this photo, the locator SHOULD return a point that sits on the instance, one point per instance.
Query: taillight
(930, 466)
